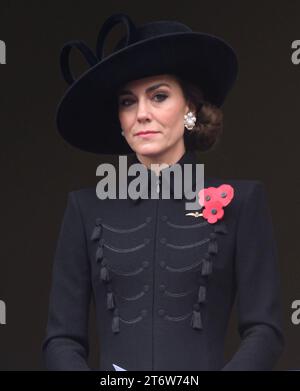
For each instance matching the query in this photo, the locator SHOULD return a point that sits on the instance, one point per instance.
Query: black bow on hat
(87, 115)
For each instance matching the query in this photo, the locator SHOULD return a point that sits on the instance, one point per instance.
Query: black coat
(164, 283)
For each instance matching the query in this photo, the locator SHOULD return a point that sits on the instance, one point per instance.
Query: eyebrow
(151, 88)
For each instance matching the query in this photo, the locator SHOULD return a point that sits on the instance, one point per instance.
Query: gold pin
(195, 214)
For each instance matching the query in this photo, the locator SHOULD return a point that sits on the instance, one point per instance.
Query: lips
(146, 132)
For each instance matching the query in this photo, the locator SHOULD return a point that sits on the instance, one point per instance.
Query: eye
(127, 101)
(161, 97)
(122, 102)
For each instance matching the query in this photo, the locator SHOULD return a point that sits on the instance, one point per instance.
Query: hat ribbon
(108, 25)
(64, 58)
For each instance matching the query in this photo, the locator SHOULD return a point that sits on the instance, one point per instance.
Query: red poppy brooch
(213, 200)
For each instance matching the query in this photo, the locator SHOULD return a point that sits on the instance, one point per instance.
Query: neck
(165, 159)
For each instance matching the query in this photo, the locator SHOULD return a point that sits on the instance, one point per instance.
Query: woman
(163, 278)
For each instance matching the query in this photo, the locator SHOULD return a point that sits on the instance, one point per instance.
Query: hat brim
(87, 115)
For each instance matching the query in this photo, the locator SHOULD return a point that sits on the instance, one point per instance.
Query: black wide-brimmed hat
(87, 115)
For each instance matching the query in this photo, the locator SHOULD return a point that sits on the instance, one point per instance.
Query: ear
(190, 107)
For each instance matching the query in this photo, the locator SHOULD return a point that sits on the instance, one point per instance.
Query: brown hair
(209, 124)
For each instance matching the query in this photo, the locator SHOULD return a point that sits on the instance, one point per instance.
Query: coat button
(162, 264)
(144, 313)
(213, 235)
(146, 288)
(162, 287)
(161, 312)
(146, 240)
(162, 240)
(164, 218)
(148, 219)
(145, 264)
(101, 241)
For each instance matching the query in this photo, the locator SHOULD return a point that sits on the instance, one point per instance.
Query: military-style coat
(164, 282)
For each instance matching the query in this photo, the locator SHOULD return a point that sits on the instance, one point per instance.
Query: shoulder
(243, 188)
(83, 199)
(248, 193)
(86, 194)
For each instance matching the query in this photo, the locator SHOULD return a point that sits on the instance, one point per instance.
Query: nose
(143, 111)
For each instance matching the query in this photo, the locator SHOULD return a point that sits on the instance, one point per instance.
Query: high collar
(188, 157)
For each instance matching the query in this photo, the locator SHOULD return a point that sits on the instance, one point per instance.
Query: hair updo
(209, 119)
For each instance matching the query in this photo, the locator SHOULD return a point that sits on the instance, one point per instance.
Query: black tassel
(99, 253)
(110, 300)
(104, 272)
(221, 228)
(201, 294)
(96, 234)
(213, 246)
(116, 322)
(206, 267)
(196, 321)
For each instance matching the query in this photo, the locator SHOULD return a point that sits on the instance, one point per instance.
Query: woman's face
(154, 104)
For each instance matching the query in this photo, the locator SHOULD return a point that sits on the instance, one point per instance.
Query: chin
(149, 150)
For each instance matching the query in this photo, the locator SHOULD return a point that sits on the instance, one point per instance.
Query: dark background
(38, 169)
